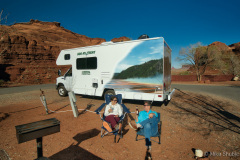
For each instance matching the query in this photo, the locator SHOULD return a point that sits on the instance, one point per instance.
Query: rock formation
(28, 51)
(235, 48)
(220, 45)
(120, 39)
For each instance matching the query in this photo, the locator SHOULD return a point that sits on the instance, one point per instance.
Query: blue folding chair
(104, 131)
(156, 134)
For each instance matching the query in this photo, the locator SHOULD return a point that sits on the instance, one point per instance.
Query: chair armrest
(122, 117)
(100, 108)
(125, 109)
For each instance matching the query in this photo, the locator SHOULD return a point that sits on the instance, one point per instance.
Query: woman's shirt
(143, 115)
(117, 110)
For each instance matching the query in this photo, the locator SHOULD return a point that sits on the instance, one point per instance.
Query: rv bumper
(171, 94)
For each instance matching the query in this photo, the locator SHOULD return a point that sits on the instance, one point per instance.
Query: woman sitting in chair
(112, 113)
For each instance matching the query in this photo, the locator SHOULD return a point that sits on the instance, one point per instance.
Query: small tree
(2, 18)
(227, 62)
(235, 63)
(3, 31)
(198, 56)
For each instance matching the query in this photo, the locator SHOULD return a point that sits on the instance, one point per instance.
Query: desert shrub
(2, 82)
(185, 73)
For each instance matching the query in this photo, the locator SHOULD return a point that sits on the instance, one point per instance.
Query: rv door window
(87, 63)
(69, 73)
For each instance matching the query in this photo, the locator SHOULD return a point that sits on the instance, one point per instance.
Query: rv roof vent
(144, 36)
(110, 42)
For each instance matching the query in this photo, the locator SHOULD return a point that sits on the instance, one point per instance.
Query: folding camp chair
(157, 134)
(104, 130)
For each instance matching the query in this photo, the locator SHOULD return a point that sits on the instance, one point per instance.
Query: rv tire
(62, 91)
(166, 102)
(109, 92)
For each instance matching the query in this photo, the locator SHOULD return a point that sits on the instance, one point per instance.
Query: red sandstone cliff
(235, 48)
(120, 39)
(28, 51)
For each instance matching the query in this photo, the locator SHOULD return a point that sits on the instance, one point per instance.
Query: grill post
(44, 101)
(39, 148)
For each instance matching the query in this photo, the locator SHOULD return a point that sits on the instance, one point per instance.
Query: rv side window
(82, 63)
(92, 63)
(67, 56)
(87, 63)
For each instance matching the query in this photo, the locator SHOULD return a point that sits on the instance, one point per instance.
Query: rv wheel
(62, 91)
(109, 92)
(166, 102)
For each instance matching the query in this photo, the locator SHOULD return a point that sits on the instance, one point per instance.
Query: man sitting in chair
(147, 120)
(112, 113)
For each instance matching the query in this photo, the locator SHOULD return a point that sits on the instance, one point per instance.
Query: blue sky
(181, 23)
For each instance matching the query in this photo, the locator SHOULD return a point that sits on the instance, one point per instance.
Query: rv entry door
(68, 80)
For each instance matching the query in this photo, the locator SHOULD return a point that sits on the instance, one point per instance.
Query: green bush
(1, 82)
(185, 73)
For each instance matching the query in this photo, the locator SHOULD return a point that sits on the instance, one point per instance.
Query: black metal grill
(37, 130)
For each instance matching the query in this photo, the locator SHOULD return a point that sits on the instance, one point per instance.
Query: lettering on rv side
(86, 53)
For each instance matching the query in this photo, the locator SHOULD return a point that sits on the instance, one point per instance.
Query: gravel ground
(190, 120)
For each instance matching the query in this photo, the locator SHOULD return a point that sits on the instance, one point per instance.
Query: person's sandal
(148, 154)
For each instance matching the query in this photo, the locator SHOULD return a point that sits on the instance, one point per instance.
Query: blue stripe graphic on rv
(141, 70)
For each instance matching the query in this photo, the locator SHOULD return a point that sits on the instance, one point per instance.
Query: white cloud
(146, 59)
(121, 67)
(157, 49)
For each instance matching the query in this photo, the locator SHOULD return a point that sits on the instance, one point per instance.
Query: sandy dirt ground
(188, 121)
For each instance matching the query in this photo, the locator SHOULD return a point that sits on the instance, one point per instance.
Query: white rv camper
(137, 69)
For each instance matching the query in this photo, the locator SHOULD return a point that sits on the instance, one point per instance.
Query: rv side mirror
(59, 72)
